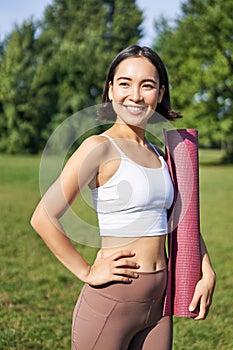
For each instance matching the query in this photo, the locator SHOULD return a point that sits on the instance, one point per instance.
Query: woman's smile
(135, 109)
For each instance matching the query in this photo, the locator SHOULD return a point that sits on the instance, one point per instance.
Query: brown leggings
(122, 316)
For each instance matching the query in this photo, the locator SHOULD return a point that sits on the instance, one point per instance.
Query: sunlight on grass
(37, 294)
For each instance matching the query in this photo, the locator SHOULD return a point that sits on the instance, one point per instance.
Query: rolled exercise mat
(184, 265)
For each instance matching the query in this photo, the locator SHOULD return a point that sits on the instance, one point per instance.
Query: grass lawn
(37, 294)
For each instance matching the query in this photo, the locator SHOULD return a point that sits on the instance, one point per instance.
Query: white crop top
(134, 202)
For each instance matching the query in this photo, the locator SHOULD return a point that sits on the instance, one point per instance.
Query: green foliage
(37, 294)
(82, 38)
(17, 68)
(51, 70)
(198, 52)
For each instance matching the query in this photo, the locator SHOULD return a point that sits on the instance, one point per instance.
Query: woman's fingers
(122, 254)
(116, 267)
(122, 279)
(126, 272)
(126, 263)
(124, 266)
(202, 297)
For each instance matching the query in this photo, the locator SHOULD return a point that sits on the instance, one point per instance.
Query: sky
(16, 11)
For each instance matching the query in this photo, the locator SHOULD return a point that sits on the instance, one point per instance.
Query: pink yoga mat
(184, 266)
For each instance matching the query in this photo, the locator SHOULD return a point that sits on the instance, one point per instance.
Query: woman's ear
(110, 91)
(161, 93)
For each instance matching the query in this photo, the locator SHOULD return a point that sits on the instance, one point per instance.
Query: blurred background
(54, 58)
(54, 55)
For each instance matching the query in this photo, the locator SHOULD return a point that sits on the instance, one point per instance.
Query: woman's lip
(135, 109)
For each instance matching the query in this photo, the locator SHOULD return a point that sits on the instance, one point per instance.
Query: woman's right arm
(79, 171)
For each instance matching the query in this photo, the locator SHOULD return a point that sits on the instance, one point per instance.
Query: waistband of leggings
(146, 287)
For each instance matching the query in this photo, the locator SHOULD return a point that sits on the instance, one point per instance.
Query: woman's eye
(148, 86)
(124, 84)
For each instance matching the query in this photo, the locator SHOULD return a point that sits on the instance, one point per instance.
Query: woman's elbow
(34, 221)
(38, 218)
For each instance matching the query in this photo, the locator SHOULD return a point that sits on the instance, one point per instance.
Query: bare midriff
(149, 251)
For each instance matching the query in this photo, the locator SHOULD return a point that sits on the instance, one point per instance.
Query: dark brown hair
(106, 112)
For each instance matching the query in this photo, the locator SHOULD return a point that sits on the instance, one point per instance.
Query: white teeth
(135, 109)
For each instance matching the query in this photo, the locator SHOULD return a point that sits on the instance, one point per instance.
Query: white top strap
(114, 143)
(122, 153)
(154, 148)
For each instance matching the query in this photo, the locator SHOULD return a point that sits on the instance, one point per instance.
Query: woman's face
(135, 91)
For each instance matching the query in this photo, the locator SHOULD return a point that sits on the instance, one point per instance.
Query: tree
(78, 41)
(51, 70)
(198, 51)
(17, 68)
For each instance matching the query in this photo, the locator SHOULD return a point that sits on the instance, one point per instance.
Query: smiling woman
(121, 304)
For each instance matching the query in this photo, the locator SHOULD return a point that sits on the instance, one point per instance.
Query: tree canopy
(198, 52)
(52, 69)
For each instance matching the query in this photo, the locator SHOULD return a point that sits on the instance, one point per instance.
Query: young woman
(121, 304)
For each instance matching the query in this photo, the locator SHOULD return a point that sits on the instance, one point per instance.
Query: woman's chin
(139, 120)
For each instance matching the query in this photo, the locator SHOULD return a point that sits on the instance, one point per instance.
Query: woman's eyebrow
(149, 80)
(125, 78)
(143, 81)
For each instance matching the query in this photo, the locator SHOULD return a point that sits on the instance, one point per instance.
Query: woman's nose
(135, 94)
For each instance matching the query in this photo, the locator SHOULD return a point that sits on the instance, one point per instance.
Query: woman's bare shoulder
(94, 147)
(95, 139)
(87, 159)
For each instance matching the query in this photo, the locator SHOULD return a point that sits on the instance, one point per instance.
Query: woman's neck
(129, 132)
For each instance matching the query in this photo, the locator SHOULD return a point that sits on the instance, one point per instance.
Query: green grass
(37, 294)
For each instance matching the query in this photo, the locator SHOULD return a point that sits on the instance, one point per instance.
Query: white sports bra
(134, 202)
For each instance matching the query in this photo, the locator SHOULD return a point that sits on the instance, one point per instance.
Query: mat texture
(184, 266)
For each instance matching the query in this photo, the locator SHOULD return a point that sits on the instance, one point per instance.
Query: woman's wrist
(83, 275)
(207, 268)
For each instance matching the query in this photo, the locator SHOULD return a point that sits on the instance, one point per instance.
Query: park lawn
(37, 294)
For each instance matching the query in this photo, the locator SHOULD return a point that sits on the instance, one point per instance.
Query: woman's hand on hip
(116, 267)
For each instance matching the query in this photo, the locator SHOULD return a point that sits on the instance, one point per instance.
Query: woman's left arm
(205, 287)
